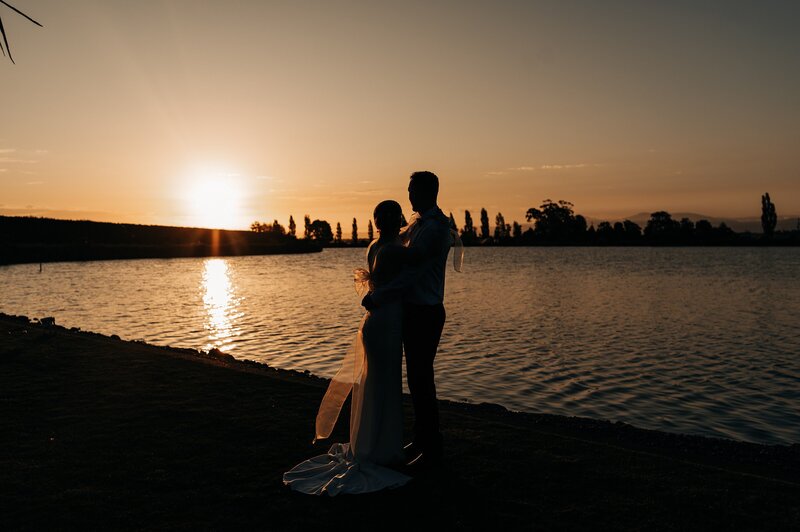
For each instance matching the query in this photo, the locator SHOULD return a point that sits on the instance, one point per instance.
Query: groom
(422, 289)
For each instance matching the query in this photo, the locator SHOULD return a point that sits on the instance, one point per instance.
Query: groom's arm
(425, 247)
(393, 289)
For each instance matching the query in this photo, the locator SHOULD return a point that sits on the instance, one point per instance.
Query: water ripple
(694, 340)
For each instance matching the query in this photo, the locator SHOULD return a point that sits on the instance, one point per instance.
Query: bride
(372, 370)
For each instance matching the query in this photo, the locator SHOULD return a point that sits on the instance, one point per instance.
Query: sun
(215, 201)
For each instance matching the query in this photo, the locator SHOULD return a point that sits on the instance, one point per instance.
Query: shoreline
(68, 396)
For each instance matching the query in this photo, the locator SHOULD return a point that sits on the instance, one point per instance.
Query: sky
(201, 113)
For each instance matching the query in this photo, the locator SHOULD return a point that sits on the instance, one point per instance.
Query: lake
(691, 340)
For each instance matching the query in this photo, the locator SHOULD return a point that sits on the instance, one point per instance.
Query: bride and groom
(404, 306)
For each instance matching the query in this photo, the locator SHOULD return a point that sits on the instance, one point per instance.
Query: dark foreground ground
(97, 433)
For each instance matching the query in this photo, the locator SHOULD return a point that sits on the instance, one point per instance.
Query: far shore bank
(25, 240)
(98, 432)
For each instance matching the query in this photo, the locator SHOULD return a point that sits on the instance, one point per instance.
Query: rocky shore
(101, 433)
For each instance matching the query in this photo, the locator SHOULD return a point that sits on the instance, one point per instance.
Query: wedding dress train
(373, 372)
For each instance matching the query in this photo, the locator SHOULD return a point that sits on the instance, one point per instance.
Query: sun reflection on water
(221, 303)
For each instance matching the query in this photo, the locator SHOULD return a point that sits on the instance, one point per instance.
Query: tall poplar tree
(469, 229)
(484, 224)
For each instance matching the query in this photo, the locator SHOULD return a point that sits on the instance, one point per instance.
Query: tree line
(556, 223)
(318, 230)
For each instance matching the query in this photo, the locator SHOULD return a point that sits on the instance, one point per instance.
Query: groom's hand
(367, 302)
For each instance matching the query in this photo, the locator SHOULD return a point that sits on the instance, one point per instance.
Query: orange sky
(213, 113)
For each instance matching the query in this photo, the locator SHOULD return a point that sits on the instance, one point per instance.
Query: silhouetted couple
(405, 283)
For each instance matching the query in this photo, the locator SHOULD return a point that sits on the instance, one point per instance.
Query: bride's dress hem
(338, 472)
(371, 373)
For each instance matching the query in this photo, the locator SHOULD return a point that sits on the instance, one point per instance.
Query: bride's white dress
(376, 419)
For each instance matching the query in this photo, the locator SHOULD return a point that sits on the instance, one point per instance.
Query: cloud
(12, 160)
(529, 168)
(6, 155)
(34, 183)
(270, 178)
(368, 192)
(569, 166)
(563, 166)
(3, 169)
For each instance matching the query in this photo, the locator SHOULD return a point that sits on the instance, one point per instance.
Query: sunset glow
(620, 108)
(215, 202)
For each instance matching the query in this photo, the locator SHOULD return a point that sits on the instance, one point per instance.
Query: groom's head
(422, 190)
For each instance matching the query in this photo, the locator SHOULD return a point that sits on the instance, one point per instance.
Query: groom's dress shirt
(422, 284)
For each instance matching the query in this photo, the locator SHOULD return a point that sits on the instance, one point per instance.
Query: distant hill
(29, 239)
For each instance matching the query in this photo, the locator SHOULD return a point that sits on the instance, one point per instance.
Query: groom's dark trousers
(422, 329)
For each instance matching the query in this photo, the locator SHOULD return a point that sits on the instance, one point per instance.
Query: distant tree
(703, 226)
(769, 218)
(484, 224)
(686, 230)
(453, 225)
(661, 227)
(516, 230)
(355, 232)
(320, 231)
(307, 227)
(370, 232)
(605, 227)
(556, 222)
(501, 230)
(722, 234)
(619, 231)
(578, 228)
(338, 237)
(605, 233)
(724, 231)
(632, 230)
(274, 228)
(703, 232)
(292, 226)
(468, 233)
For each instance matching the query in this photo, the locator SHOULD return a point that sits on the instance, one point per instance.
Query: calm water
(695, 340)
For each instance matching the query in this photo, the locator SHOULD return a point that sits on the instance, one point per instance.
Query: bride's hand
(367, 302)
